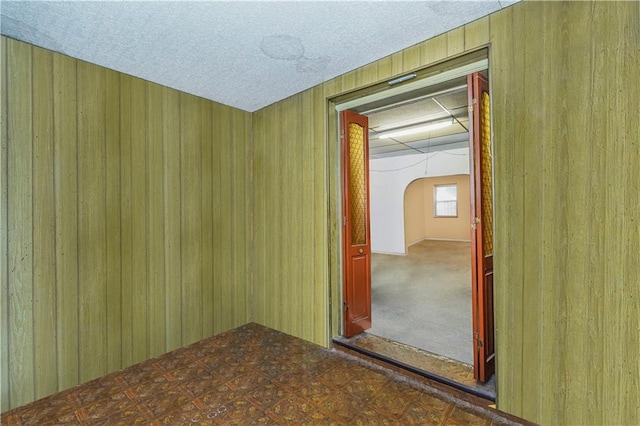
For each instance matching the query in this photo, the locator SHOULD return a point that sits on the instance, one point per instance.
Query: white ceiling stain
(246, 54)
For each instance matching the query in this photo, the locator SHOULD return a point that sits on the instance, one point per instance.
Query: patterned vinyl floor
(254, 375)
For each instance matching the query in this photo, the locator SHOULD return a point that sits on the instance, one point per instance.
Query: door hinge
(479, 342)
(345, 306)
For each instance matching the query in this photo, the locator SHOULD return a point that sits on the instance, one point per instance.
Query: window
(445, 200)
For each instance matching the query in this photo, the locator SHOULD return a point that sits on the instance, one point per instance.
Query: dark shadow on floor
(445, 370)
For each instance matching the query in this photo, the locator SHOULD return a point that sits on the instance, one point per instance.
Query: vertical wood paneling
(476, 33)
(126, 220)
(4, 276)
(306, 210)
(553, 214)
(533, 125)
(218, 215)
(190, 156)
(66, 221)
(566, 194)
(410, 59)
(321, 193)
(139, 184)
(155, 221)
(455, 41)
(44, 272)
(172, 202)
(225, 244)
(104, 191)
(112, 200)
(207, 220)
(259, 255)
(565, 144)
(507, 88)
(91, 222)
(20, 226)
(242, 229)
(434, 49)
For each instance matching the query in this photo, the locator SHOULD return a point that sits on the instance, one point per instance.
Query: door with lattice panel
(481, 225)
(354, 139)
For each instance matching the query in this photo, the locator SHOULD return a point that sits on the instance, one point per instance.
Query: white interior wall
(388, 180)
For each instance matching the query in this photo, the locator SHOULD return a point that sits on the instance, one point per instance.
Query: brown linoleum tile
(254, 375)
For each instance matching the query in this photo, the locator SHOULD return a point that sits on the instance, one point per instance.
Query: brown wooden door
(481, 226)
(354, 137)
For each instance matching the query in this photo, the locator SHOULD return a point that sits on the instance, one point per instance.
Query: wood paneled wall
(567, 238)
(91, 204)
(290, 217)
(125, 221)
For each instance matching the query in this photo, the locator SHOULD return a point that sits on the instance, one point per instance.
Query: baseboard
(439, 239)
(389, 253)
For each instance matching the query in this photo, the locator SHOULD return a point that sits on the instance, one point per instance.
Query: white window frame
(436, 202)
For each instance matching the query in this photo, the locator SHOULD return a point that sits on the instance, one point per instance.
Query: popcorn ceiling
(240, 53)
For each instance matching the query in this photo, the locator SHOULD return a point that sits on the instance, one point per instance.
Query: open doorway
(430, 284)
(405, 135)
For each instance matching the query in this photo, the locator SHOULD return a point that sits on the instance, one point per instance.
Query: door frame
(349, 100)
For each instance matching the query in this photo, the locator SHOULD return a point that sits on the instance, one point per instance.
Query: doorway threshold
(423, 363)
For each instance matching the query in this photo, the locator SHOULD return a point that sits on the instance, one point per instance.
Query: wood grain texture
(92, 314)
(102, 212)
(44, 265)
(171, 213)
(126, 220)
(4, 274)
(113, 220)
(191, 219)
(66, 221)
(565, 144)
(20, 223)
(155, 221)
(566, 155)
(139, 231)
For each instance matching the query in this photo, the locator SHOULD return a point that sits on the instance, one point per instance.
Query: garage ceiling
(245, 54)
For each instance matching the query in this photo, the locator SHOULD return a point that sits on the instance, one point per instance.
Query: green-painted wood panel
(66, 221)
(455, 41)
(20, 223)
(476, 33)
(92, 313)
(242, 224)
(4, 275)
(207, 220)
(566, 158)
(191, 219)
(410, 59)
(155, 221)
(44, 292)
(139, 231)
(566, 129)
(218, 214)
(532, 215)
(172, 241)
(114, 240)
(225, 244)
(102, 222)
(126, 221)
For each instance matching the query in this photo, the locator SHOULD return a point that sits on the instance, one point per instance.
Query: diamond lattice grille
(357, 185)
(487, 187)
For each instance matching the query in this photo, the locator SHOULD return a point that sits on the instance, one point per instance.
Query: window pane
(446, 200)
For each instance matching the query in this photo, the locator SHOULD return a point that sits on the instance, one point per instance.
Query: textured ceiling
(241, 53)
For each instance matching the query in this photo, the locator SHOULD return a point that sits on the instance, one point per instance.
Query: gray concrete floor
(424, 299)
